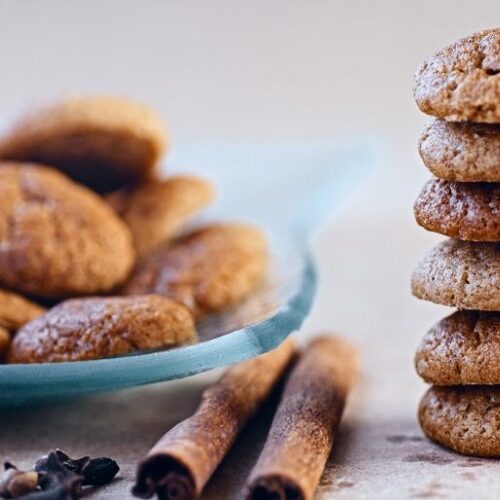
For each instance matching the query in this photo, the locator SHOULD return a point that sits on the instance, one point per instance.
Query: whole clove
(15, 483)
(56, 476)
(95, 471)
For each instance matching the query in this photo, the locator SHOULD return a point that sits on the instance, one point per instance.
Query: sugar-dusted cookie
(460, 274)
(103, 142)
(463, 152)
(467, 211)
(155, 211)
(58, 238)
(461, 349)
(207, 270)
(16, 311)
(462, 81)
(92, 328)
(464, 419)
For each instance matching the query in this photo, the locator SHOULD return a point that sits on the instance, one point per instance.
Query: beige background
(270, 69)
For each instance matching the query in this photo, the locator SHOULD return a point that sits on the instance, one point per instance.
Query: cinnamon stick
(304, 426)
(181, 463)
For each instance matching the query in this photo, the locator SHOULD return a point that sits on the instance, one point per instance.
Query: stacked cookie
(460, 355)
(84, 213)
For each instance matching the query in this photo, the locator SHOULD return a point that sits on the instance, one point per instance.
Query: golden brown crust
(465, 419)
(102, 141)
(5, 340)
(92, 328)
(461, 349)
(157, 210)
(462, 81)
(460, 274)
(58, 238)
(467, 211)
(16, 311)
(463, 152)
(207, 270)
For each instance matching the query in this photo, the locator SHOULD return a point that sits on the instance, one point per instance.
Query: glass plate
(287, 189)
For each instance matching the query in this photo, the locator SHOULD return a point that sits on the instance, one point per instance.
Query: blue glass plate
(286, 188)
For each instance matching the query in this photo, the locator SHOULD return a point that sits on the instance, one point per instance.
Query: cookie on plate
(207, 270)
(5, 340)
(102, 142)
(460, 274)
(58, 238)
(467, 211)
(463, 152)
(461, 349)
(155, 211)
(93, 328)
(462, 81)
(464, 419)
(16, 311)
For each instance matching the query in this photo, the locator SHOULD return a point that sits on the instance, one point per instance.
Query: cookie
(462, 349)
(58, 238)
(463, 152)
(467, 211)
(4, 342)
(462, 81)
(102, 142)
(460, 274)
(465, 419)
(92, 328)
(207, 270)
(16, 311)
(157, 210)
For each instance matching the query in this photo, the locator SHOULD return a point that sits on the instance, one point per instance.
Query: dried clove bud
(95, 471)
(57, 479)
(15, 483)
(99, 471)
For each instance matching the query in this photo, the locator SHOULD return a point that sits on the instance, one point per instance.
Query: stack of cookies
(95, 258)
(460, 355)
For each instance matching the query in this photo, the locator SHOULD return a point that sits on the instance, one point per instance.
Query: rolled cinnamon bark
(303, 429)
(181, 463)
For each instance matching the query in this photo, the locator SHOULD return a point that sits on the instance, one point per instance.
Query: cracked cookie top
(58, 239)
(462, 81)
(98, 327)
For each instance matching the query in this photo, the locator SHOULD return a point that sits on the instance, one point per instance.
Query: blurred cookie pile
(460, 355)
(95, 260)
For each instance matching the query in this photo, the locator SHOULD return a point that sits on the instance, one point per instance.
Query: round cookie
(463, 152)
(57, 238)
(102, 142)
(92, 328)
(467, 211)
(207, 270)
(16, 311)
(460, 274)
(461, 349)
(465, 419)
(4, 342)
(462, 81)
(157, 210)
